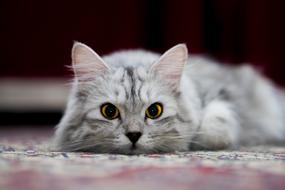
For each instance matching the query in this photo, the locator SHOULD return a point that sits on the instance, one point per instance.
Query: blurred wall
(36, 36)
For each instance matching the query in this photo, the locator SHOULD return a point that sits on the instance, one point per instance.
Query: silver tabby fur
(206, 105)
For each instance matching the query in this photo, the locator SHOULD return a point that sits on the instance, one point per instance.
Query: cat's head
(128, 102)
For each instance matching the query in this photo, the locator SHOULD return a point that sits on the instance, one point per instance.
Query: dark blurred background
(36, 38)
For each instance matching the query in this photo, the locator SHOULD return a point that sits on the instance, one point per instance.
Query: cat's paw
(219, 127)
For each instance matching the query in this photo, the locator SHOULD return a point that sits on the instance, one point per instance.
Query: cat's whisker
(86, 143)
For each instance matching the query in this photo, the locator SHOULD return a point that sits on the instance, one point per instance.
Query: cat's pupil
(110, 110)
(153, 111)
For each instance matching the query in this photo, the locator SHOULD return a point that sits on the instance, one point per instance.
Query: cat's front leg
(219, 127)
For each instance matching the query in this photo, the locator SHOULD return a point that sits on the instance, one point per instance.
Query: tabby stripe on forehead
(139, 91)
(130, 73)
(123, 77)
(126, 92)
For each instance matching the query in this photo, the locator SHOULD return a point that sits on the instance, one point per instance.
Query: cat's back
(232, 82)
(212, 71)
(255, 98)
(212, 77)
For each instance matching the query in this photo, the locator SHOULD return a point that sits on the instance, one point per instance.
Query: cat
(140, 102)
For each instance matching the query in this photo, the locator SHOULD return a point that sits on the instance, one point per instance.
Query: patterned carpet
(25, 164)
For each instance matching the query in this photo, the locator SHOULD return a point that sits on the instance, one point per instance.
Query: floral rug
(25, 164)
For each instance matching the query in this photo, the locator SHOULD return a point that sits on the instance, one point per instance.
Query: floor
(25, 164)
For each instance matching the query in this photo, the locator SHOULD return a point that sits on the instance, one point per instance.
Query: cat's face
(126, 109)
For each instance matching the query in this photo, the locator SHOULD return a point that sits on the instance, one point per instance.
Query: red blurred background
(37, 36)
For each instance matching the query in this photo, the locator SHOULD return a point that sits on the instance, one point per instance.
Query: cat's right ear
(170, 65)
(86, 63)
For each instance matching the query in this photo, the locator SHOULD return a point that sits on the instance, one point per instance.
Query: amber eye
(109, 111)
(154, 111)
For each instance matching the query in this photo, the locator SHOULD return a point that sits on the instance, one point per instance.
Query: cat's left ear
(170, 65)
(86, 63)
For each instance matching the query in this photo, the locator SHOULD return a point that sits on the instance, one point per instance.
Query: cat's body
(203, 104)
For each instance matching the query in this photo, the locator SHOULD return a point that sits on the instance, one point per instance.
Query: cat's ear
(86, 63)
(169, 66)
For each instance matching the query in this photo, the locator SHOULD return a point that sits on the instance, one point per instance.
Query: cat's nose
(134, 136)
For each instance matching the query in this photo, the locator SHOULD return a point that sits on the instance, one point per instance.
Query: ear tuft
(86, 62)
(170, 65)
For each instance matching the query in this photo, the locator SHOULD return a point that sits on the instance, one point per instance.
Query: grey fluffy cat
(136, 101)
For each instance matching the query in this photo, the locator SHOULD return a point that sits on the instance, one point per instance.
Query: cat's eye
(110, 111)
(154, 111)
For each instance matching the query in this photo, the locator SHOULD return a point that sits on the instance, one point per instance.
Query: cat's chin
(138, 150)
(129, 149)
(133, 150)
